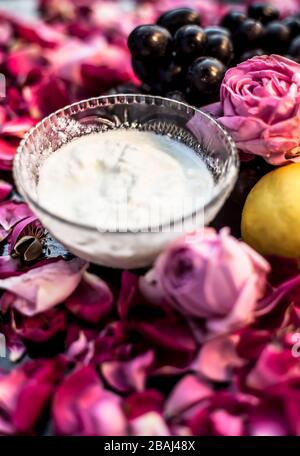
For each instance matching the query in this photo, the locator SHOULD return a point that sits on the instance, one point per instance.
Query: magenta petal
(275, 365)
(34, 379)
(172, 340)
(39, 33)
(41, 328)
(226, 424)
(44, 287)
(7, 153)
(8, 267)
(17, 127)
(270, 301)
(187, 393)
(10, 214)
(129, 286)
(5, 189)
(82, 407)
(151, 424)
(215, 109)
(217, 359)
(92, 300)
(104, 77)
(45, 96)
(15, 348)
(138, 404)
(126, 376)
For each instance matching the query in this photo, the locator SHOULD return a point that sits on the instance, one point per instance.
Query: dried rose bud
(28, 248)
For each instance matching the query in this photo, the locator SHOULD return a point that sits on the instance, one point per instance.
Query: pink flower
(82, 407)
(92, 300)
(44, 287)
(261, 107)
(213, 277)
(32, 380)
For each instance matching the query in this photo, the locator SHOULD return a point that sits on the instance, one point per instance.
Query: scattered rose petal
(274, 365)
(92, 300)
(151, 425)
(46, 95)
(125, 376)
(139, 404)
(129, 286)
(40, 328)
(9, 267)
(187, 393)
(172, 338)
(218, 358)
(10, 214)
(82, 407)
(44, 287)
(34, 379)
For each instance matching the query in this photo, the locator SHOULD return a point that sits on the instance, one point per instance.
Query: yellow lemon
(271, 215)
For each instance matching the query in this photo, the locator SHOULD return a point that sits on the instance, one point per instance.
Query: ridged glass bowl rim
(225, 186)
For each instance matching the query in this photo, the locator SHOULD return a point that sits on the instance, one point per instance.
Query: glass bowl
(202, 133)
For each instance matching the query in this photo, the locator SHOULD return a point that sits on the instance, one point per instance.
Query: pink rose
(261, 107)
(213, 277)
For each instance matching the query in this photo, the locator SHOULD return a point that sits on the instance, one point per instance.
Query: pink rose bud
(261, 107)
(213, 276)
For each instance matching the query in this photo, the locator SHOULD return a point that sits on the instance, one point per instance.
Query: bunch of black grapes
(178, 58)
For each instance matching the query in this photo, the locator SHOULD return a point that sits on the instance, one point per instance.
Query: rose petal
(81, 407)
(46, 95)
(125, 376)
(92, 300)
(19, 414)
(151, 424)
(139, 404)
(5, 189)
(187, 393)
(41, 328)
(10, 214)
(44, 287)
(217, 359)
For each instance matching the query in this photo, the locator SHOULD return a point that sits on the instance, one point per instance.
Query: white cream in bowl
(124, 180)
